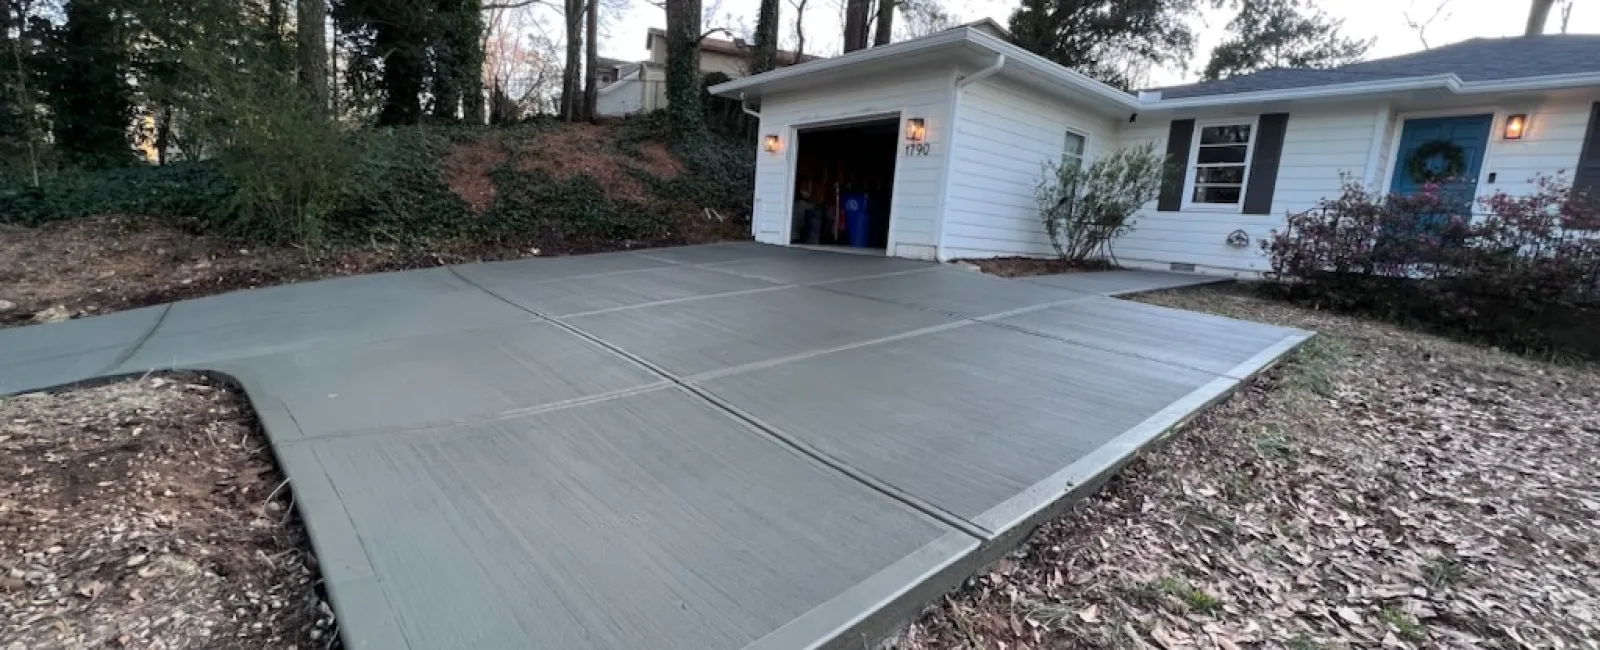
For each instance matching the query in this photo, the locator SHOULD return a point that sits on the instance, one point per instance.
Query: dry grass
(149, 514)
(1382, 488)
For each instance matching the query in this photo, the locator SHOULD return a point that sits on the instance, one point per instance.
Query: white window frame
(1083, 156)
(1189, 170)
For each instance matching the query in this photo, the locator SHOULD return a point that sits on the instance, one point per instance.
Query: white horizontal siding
(1318, 147)
(1551, 145)
(1005, 134)
(914, 209)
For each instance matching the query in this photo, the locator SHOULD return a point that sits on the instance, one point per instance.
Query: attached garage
(944, 138)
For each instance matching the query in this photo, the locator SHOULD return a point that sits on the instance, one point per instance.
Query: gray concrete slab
(452, 377)
(543, 269)
(713, 334)
(1210, 343)
(697, 454)
(200, 333)
(717, 253)
(117, 330)
(613, 290)
(1117, 283)
(955, 291)
(820, 267)
(964, 418)
(648, 521)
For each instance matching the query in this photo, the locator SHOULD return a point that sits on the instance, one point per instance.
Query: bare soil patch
(1384, 488)
(588, 149)
(1016, 267)
(467, 170)
(149, 514)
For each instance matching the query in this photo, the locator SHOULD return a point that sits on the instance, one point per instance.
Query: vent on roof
(1179, 266)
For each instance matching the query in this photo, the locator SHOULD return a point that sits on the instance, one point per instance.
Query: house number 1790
(918, 149)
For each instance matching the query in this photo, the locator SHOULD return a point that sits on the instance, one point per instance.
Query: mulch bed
(1016, 267)
(149, 514)
(1384, 488)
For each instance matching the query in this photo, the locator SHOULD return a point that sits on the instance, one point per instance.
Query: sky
(1386, 20)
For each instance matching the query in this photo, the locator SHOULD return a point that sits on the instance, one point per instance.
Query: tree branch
(517, 4)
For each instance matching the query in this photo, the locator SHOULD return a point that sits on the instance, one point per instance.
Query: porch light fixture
(916, 130)
(770, 143)
(1516, 125)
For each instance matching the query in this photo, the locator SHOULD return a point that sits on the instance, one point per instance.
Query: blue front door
(1469, 132)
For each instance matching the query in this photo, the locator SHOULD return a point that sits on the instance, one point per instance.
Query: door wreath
(1423, 164)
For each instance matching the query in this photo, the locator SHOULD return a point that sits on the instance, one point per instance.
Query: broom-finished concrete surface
(727, 446)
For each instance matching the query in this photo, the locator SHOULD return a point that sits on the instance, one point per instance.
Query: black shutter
(1587, 177)
(1264, 164)
(1171, 197)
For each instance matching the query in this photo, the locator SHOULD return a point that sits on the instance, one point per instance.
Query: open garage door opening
(844, 186)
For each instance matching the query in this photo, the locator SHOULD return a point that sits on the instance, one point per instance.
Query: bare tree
(919, 18)
(1566, 14)
(1538, 15)
(885, 29)
(591, 61)
(799, 28)
(1420, 27)
(857, 16)
(571, 84)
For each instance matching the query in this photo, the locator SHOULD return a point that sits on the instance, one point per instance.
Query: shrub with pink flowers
(1512, 269)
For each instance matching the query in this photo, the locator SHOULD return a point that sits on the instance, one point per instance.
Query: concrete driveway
(729, 446)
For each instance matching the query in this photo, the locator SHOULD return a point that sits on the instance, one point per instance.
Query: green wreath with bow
(1421, 164)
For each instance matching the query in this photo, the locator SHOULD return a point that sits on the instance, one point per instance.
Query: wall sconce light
(770, 143)
(916, 129)
(1516, 125)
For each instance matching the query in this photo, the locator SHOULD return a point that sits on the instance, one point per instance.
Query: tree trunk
(472, 70)
(885, 23)
(311, 48)
(275, 11)
(1538, 13)
(449, 54)
(855, 24)
(799, 31)
(684, 114)
(591, 61)
(764, 56)
(571, 86)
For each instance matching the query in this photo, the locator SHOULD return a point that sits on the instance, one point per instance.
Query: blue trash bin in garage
(856, 220)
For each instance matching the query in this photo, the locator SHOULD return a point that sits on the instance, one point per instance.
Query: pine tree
(1282, 34)
(1111, 40)
(90, 99)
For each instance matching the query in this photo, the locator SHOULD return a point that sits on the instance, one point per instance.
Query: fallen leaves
(1404, 492)
(138, 514)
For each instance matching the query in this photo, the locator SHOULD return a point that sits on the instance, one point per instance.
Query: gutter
(745, 106)
(1448, 82)
(859, 56)
(985, 73)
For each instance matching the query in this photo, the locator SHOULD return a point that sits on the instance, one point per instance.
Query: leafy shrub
(1085, 208)
(1525, 266)
(186, 192)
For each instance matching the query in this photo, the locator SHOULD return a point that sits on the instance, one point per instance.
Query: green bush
(397, 194)
(187, 192)
(1086, 208)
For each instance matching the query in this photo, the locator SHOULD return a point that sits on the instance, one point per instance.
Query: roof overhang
(970, 49)
(962, 47)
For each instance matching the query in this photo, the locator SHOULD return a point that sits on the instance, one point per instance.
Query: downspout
(956, 87)
(746, 108)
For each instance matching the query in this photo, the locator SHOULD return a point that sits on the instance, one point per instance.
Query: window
(1072, 156)
(1221, 157)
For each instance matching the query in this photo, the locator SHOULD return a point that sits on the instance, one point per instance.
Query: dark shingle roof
(1479, 59)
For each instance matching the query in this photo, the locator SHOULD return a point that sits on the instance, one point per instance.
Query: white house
(945, 136)
(640, 87)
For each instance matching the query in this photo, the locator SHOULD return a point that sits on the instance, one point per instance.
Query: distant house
(947, 135)
(641, 86)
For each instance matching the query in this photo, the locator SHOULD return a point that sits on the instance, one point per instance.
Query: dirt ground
(149, 514)
(85, 267)
(1383, 489)
(1016, 267)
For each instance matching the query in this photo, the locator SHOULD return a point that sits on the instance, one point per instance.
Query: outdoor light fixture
(916, 130)
(1516, 125)
(770, 143)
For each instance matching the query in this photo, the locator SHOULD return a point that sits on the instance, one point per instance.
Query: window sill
(1211, 207)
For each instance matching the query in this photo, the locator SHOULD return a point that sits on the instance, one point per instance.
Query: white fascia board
(732, 87)
(1446, 82)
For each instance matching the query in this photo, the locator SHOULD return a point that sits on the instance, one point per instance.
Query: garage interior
(841, 170)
